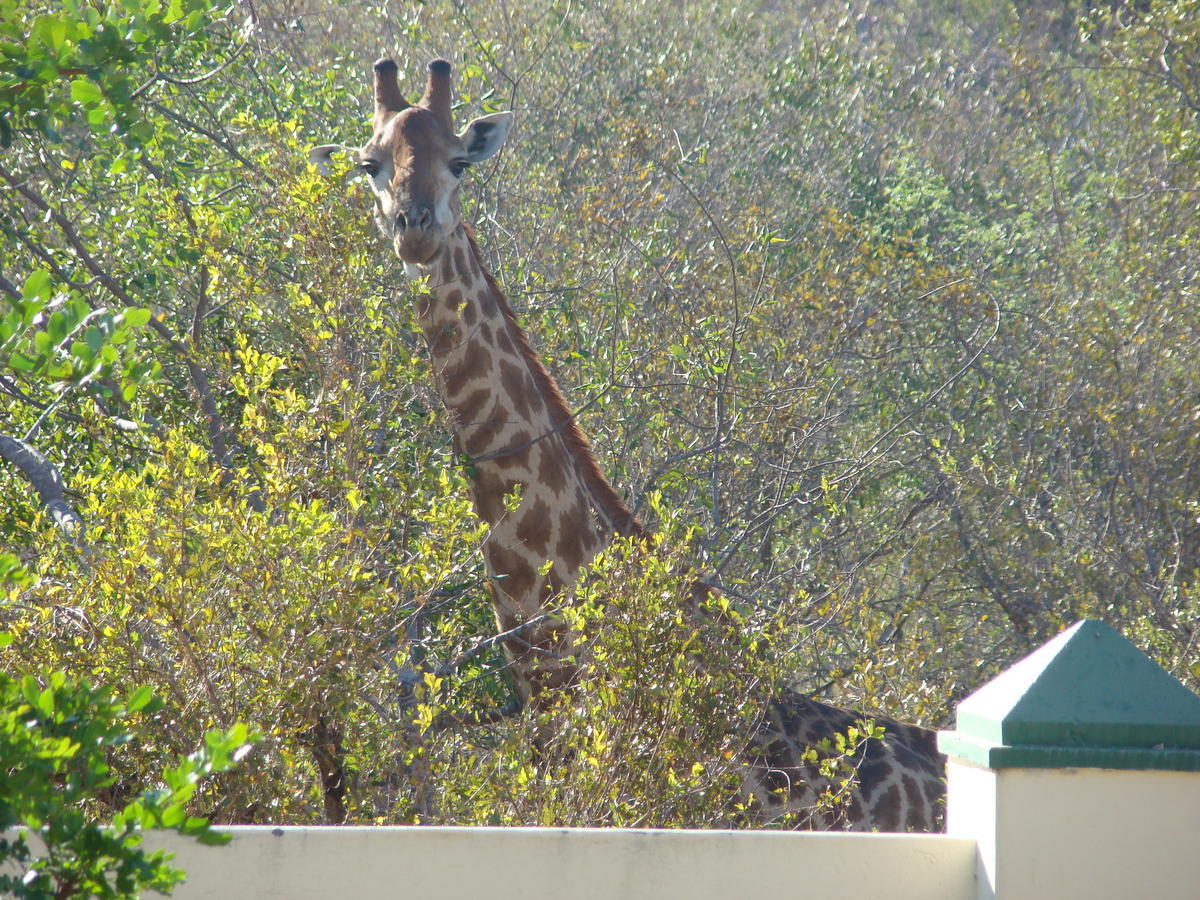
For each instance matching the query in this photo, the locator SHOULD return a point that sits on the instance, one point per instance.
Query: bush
(652, 734)
(56, 782)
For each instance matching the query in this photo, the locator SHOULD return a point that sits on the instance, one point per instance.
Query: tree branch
(218, 431)
(487, 644)
(9, 288)
(44, 477)
(212, 136)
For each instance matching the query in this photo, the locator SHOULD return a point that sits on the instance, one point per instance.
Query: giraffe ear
(483, 137)
(322, 157)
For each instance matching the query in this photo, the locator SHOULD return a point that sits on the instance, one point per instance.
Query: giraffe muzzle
(417, 239)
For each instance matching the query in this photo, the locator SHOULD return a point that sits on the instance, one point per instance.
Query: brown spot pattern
(479, 442)
(886, 811)
(553, 473)
(470, 408)
(515, 576)
(442, 338)
(515, 452)
(536, 403)
(512, 379)
(487, 303)
(474, 363)
(504, 343)
(486, 432)
(935, 791)
(534, 527)
(872, 772)
(574, 537)
(490, 489)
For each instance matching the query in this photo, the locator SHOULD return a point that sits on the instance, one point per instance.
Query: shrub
(56, 782)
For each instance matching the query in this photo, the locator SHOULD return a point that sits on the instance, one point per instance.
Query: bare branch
(211, 73)
(44, 477)
(212, 136)
(487, 644)
(9, 288)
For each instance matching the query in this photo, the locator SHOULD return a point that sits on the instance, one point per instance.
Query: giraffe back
(893, 784)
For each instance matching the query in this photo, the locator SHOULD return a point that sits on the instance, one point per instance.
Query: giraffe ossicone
(535, 482)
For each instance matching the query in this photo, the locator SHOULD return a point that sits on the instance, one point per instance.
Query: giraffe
(534, 481)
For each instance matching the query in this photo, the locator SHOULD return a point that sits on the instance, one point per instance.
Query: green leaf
(57, 327)
(38, 700)
(38, 285)
(22, 363)
(51, 30)
(85, 91)
(94, 338)
(140, 698)
(174, 816)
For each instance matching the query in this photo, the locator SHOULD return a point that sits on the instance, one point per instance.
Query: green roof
(1086, 698)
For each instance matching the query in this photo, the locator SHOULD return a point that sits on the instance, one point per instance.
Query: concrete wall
(1014, 834)
(530, 864)
(1087, 833)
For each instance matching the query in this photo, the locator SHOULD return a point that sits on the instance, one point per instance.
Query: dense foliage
(883, 314)
(56, 738)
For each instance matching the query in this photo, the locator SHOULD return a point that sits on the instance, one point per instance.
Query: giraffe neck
(533, 478)
(550, 510)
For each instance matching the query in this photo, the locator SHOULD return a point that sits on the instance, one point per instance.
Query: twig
(9, 288)
(409, 678)
(664, 467)
(215, 138)
(200, 79)
(487, 644)
(933, 395)
(720, 414)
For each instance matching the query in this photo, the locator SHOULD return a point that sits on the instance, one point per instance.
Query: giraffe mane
(576, 442)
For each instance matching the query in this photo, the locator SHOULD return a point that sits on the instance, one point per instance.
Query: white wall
(530, 864)
(1055, 834)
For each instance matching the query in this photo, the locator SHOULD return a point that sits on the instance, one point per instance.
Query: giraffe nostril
(416, 217)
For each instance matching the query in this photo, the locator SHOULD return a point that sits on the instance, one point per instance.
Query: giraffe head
(414, 161)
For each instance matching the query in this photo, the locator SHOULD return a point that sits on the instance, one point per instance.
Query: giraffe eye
(458, 166)
(369, 166)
